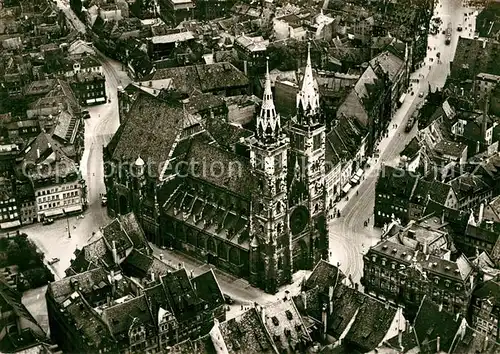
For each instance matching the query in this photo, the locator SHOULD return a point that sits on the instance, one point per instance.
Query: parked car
(228, 299)
(47, 221)
(411, 122)
(104, 201)
(53, 260)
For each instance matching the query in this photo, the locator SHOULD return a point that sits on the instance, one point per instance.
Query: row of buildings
(119, 297)
(47, 74)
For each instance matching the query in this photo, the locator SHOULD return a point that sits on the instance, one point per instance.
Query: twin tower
(288, 218)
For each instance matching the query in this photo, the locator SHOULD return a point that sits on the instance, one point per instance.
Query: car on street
(421, 94)
(85, 114)
(104, 201)
(53, 260)
(459, 28)
(228, 299)
(47, 221)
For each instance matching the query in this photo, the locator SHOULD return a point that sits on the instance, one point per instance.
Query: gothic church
(256, 210)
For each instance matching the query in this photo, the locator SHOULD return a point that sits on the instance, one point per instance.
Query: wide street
(349, 239)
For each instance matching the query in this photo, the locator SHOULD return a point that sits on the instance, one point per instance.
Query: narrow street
(349, 239)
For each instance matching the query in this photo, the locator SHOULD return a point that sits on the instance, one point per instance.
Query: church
(254, 207)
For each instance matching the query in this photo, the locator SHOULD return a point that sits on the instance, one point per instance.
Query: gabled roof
(323, 276)
(393, 180)
(473, 341)
(285, 326)
(150, 130)
(489, 291)
(122, 316)
(204, 77)
(181, 296)
(113, 233)
(131, 227)
(234, 175)
(432, 322)
(372, 323)
(246, 334)
(468, 184)
(63, 288)
(389, 63)
(208, 289)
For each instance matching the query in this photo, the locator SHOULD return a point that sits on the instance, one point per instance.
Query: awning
(100, 99)
(73, 208)
(10, 224)
(402, 98)
(89, 101)
(53, 212)
(359, 173)
(346, 188)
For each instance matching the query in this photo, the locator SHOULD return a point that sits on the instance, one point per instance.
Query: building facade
(89, 88)
(403, 274)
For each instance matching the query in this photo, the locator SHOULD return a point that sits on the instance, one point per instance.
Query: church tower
(270, 251)
(306, 176)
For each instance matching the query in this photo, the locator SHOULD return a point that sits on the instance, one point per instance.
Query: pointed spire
(308, 96)
(268, 122)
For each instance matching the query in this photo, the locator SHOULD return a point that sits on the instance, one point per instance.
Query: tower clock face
(299, 220)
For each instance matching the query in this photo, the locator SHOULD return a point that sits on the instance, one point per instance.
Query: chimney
(37, 153)
(481, 213)
(438, 344)
(152, 276)
(191, 274)
(485, 346)
(194, 286)
(245, 67)
(484, 123)
(425, 250)
(161, 256)
(442, 218)
(263, 314)
(400, 339)
(324, 318)
(113, 251)
(304, 299)
(408, 327)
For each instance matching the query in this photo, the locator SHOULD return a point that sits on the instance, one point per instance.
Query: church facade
(256, 209)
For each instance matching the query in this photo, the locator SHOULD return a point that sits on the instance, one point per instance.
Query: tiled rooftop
(246, 334)
(285, 325)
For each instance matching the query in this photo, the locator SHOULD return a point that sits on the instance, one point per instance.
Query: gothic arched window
(211, 245)
(222, 251)
(191, 236)
(234, 256)
(201, 241)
